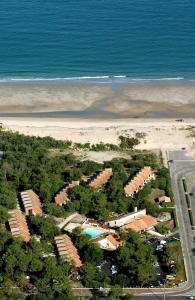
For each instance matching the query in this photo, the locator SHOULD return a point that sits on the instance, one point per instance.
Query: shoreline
(103, 116)
(93, 79)
(98, 115)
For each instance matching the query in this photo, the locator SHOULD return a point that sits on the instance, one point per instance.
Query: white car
(159, 248)
(114, 270)
(156, 264)
(163, 242)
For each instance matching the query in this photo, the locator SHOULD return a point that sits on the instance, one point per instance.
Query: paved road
(161, 297)
(184, 166)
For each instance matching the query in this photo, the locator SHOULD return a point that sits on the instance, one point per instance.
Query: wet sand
(167, 99)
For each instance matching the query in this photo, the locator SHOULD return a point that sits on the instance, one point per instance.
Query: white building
(125, 218)
(110, 242)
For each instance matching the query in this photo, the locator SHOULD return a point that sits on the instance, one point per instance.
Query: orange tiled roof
(62, 196)
(31, 202)
(137, 182)
(114, 239)
(141, 223)
(18, 225)
(66, 248)
(101, 178)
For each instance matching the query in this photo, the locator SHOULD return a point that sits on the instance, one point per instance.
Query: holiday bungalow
(143, 177)
(18, 225)
(62, 197)
(31, 203)
(101, 179)
(110, 242)
(67, 250)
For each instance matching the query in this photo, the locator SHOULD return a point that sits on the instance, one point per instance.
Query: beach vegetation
(127, 142)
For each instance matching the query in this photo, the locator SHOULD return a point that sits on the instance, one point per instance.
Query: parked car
(159, 248)
(114, 270)
(156, 264)
(175, 238)
(163, 242)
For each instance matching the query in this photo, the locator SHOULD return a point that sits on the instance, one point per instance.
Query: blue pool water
(92, 232)
(133, 38)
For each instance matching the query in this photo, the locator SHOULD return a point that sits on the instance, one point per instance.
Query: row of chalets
(144, 176)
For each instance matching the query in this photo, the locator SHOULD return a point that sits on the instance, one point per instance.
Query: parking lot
(158, 247)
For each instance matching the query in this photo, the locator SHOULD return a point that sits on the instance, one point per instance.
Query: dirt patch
(156, 193)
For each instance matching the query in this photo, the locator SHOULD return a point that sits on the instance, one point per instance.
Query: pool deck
(88, 226)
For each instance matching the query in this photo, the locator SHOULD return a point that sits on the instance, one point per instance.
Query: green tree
(54, 276)
(8, 197)
(44, 226)
(7, 292)
(15, 261)
(128, 142)
(3, 214)
(136, 259)
(91, 277)
(116, 292)
(92, 253)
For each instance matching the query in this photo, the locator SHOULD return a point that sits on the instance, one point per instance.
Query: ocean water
(97, 38)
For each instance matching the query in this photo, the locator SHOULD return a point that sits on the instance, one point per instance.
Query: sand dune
(160, 133)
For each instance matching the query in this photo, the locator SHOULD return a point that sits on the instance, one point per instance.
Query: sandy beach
(159, 133)
(103, 111)
(112, 99)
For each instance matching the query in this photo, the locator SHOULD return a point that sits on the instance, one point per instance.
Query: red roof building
(18, 225)
(62, 197)
(31, 202)
(144, 176)
(67, 250)
(101, 178)
(141, 223)
(110, 242)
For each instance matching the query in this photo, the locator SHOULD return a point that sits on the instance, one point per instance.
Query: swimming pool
(92, 232)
